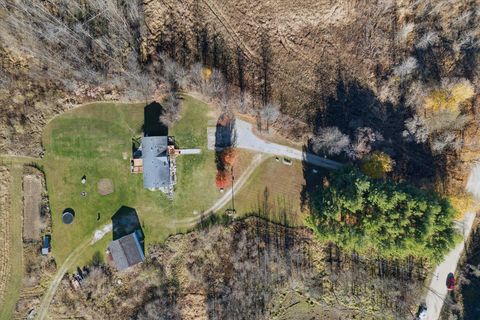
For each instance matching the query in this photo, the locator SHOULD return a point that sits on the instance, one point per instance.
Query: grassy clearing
(274, 189)
(90, 140)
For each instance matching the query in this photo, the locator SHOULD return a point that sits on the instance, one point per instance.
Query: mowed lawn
(274, 191)
(91, 140)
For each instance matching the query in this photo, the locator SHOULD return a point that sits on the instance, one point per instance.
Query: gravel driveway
(246, 139)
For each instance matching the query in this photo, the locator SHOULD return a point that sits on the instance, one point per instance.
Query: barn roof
(126, 251)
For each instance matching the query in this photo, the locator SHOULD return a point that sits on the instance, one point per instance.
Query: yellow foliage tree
(377, 165)
(206, 73)
(449, 97)
(462, 204)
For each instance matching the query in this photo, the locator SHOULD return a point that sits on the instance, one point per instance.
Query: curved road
(438, 289)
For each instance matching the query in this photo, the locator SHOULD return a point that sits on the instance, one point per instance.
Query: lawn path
(238, 184)
(42, 310)
(227, 196)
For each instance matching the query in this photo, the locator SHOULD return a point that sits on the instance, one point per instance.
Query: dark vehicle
(422, 312)
(450, 281)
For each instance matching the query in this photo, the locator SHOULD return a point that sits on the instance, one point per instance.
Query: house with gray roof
(157, 173)
(127, 251)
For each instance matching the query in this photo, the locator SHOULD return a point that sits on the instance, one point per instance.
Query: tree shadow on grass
(151, 125)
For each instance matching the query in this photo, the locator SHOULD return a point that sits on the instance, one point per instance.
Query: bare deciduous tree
(365, 138)
(330, 140)
(446, 141)
(429, 39)
(171, 110)
(270, 113)
(404, 32)
(416, 130)
(406, 68)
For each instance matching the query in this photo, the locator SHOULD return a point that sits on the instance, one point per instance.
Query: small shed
(46, 244)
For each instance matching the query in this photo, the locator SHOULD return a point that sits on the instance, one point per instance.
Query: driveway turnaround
(246, 139)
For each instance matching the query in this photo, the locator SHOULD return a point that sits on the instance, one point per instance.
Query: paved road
(246, 139)
(438, 289)
(42, 310)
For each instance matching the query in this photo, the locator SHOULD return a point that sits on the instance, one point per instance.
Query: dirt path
(257, 160)
(42, 310)
(227, 196)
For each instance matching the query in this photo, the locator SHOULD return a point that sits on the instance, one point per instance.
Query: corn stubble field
(4, 230)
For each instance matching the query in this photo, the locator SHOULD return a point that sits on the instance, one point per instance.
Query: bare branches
(66, 41)
(429, 39)
(406, 68)
(365, 138)
(416, 130)
(330, 140)
(171, 110)
(270, 113)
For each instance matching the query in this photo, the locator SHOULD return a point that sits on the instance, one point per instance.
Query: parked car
(450, 281)
(422, 312)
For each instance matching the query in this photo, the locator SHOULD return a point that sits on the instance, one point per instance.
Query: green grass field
(273, 189)
(90, 140)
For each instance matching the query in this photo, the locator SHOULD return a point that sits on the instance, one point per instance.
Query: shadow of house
(152, 126)
(128, 245)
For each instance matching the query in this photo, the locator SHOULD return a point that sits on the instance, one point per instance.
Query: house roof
(156, 167)
(126, 251)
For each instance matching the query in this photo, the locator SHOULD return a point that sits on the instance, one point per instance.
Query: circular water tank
(68, 215)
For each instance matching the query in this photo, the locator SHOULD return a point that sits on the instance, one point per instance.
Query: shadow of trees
(152, 126)
(354, 106)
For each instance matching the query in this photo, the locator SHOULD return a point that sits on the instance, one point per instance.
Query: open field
(273, 189)
(90, 140)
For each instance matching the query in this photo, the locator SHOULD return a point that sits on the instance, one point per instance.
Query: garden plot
(32, 191)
